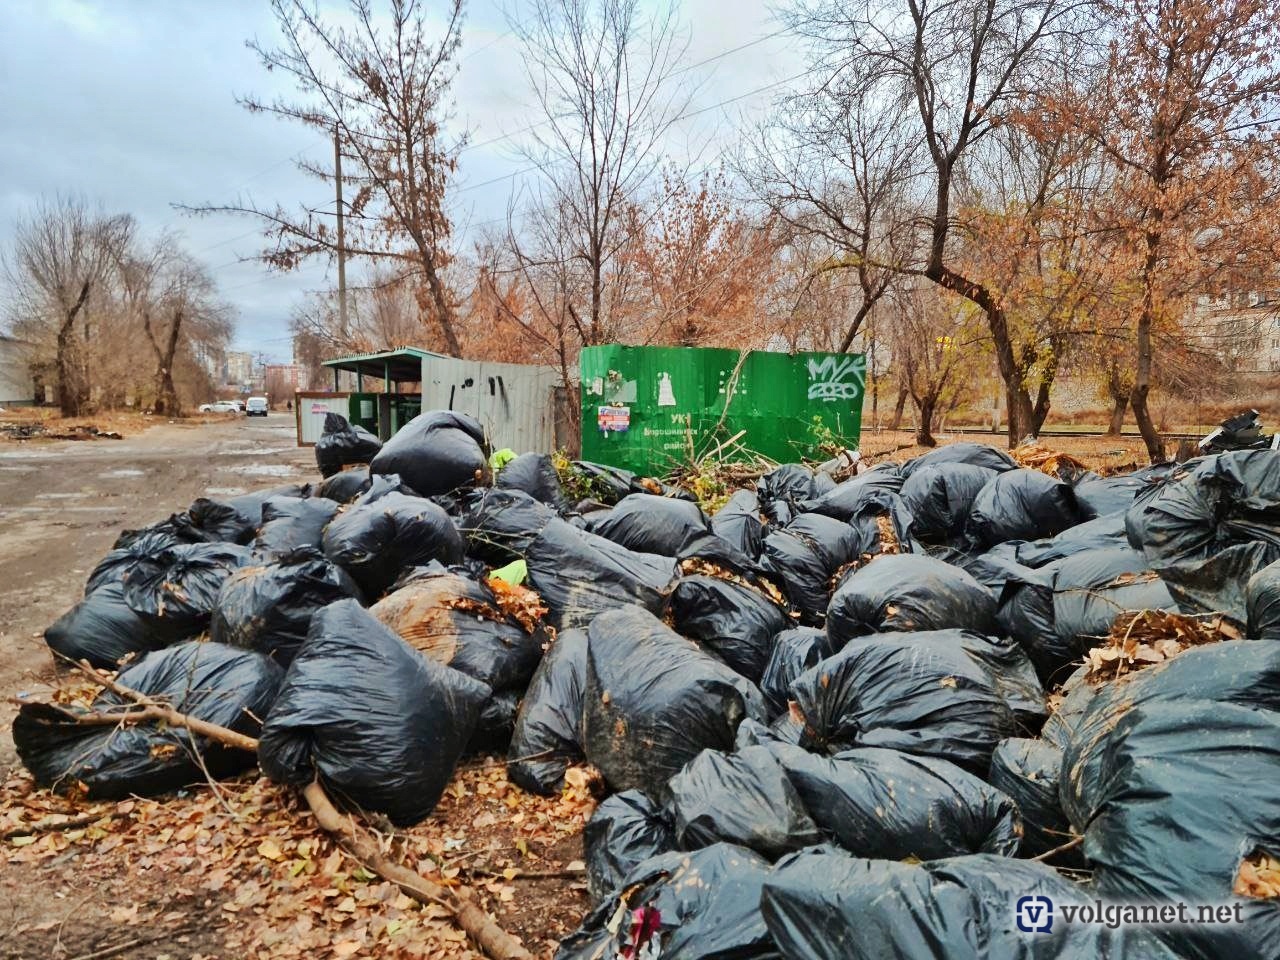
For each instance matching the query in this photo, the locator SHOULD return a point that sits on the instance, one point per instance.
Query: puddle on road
(123, 472)
(224, 491)
(17, 468)
(255, 451)
(60, 496)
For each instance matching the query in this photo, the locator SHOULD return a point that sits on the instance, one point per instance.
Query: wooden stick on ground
(473, 921)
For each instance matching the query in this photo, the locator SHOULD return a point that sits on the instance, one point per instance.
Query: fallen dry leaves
(1035, 456)
(285, 889)
(1259, 876)
(1145, 637)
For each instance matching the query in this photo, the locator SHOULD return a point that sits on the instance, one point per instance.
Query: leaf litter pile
(1143, 638)
(251, 852)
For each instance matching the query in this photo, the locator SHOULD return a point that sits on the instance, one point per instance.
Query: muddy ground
(62, 505)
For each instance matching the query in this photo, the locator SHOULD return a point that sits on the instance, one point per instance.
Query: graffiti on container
(834, 378)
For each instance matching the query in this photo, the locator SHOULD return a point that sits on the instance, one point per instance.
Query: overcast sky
(132, 104)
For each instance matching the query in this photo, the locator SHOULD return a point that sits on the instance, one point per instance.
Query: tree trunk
(1121, 403)
(899, 406)
(1041, 409)
(924, 431)
(1142, 374)
(72, 386)
(168, 390)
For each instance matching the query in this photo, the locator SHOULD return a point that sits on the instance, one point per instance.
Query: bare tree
(832, 167)
(961, 65)
(61, 258)
(381, 87)
(601, 74)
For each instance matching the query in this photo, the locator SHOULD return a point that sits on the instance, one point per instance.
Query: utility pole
(342, 250)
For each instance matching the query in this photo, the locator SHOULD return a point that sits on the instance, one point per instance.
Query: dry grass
(50, 426)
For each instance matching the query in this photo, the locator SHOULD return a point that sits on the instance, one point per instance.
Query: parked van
(256, 407)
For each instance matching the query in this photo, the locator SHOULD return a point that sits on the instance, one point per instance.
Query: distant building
(282, 378)
(1242, 329)
(239, 368)
(17, 388)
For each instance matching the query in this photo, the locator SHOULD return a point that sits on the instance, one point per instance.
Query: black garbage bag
(734, 620)
(822, 905)
(176, 589)
(1211, 526)
(112, 567)
(931, 694)
(436, 452)
(1171, 778)
(249, 505)
(1025, 612)
(804, 557)
(380, 537)
(744, 798)
(103, 629)
(346, 485)
(890, 805)
(906, 592)
(457, 621)
(794, 651)
(739, 524)
(577, 574)
(269, 608)
(784, 489)
(1262, 599)
(882, 525)
(974, 454)
(1028, 772)
(548, 730)
(381, 725)
(1104, 496)
(291, 523)
(207, 681)
(625, 830)
(1021, 505)
(845, 500)
(494, 725)
(654, 700)
(992, 569)
(342, 444)
(1098, 534)
(940, 498)
(1072, 700)
(535, 474)
(215, 521)
(701, 904)
(649, 524)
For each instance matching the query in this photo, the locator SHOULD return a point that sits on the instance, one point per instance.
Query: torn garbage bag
(548, 731)
(380, 537)
(654, 700)
(269, 608)
(700, 904)
(436, 452)
(207, 681)
(379, 724)
(458, 621)
(908, 592)
(625, 830)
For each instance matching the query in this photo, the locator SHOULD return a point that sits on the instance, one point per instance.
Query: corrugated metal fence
(514, 402)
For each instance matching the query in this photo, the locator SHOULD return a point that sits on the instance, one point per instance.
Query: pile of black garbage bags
(822, 712)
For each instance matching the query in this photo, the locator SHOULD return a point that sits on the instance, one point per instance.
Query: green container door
(648, 409)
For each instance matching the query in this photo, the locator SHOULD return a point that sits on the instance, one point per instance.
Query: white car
(220, 406)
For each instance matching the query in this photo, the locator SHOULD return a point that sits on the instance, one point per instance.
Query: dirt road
(62, 505)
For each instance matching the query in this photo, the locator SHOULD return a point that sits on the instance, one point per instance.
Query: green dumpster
(648, 409)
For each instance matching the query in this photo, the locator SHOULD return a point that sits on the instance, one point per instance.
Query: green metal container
(649, 409)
